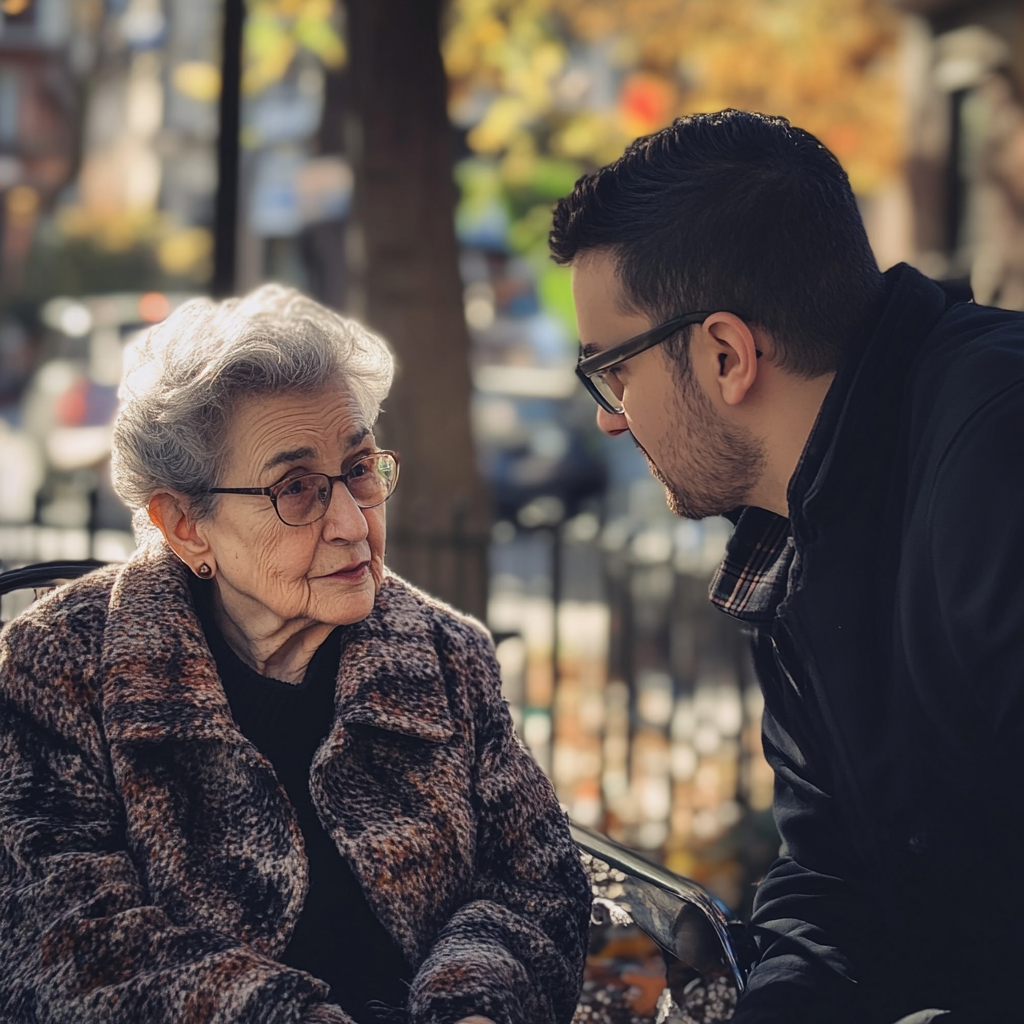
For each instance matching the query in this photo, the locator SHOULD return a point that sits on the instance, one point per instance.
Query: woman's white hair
(185, 377)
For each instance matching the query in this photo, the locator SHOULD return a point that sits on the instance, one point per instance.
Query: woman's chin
(351, 602)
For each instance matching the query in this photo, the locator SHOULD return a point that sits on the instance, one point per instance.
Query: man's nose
(611, 423)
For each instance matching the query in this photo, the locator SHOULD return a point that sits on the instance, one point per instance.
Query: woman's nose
(611, 423)
(344, 519)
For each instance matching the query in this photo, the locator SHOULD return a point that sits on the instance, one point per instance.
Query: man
(866, 432)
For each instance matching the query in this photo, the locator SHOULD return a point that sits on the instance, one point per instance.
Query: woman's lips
(353, 573)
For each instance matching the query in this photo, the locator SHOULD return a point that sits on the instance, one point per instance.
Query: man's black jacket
(893, 675)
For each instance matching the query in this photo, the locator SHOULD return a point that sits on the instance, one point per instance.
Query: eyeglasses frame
(268, 491)
(602, 361)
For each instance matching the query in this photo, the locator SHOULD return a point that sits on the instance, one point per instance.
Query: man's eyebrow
(292, 455)
(590, 349)
(355, 438)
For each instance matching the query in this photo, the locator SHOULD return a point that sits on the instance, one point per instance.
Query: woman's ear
(167, 512)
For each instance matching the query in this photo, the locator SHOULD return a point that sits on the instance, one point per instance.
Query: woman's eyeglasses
(301, 500)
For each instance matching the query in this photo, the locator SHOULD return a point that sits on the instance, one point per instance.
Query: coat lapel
(211, 831)
(390, 675)
(392, 782)
(847, 518)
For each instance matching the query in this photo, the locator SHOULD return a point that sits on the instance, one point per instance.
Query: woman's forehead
(285, 456)
(270, 432)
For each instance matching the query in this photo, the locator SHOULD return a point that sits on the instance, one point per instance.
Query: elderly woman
(250, 776)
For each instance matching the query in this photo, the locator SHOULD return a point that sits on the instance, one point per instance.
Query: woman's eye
(292, 487)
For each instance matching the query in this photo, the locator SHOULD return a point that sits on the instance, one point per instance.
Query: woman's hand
(475, 1020)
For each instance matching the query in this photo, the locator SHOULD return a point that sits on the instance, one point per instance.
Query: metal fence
(635, 694)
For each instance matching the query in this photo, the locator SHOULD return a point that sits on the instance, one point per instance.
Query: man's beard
(715, 467)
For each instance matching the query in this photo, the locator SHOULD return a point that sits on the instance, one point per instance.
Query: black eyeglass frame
(601, 362)
(269, 491)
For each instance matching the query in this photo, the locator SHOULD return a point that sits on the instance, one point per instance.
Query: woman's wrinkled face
(326, 572)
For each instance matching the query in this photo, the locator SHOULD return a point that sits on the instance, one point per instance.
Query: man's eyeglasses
(301, 500)
(597, 371)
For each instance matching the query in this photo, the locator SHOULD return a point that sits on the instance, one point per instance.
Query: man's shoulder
(973, 355)
(970, 337)
(974, 316)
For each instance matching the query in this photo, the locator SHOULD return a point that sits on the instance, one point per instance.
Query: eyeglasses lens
(370, 481)
(603, 383)
(305, 499)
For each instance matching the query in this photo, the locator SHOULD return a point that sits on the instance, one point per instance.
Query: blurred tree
(401, 273)
(403, 262)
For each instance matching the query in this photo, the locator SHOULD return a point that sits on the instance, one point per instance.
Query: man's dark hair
(732, 211)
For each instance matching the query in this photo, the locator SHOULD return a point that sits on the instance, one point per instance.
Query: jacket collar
(859, 420)
(161, 683)
(860, 413)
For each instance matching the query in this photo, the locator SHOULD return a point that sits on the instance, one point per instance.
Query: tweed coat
(152, 868)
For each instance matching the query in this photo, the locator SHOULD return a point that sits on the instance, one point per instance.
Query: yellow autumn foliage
(275, 31)
(830, 66)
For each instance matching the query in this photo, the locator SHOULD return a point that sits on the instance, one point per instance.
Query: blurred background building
(633, 693)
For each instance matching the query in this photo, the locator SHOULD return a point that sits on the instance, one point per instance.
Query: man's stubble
(711, 466)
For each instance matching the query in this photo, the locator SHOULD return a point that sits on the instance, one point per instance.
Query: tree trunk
(403, 262)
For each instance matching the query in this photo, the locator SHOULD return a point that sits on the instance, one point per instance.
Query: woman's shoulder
(55, 643)
(407, 607)
(78, 606)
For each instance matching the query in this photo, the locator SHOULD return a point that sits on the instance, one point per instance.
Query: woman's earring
(204, 572)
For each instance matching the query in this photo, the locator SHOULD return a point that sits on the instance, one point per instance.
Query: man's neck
(796, 410)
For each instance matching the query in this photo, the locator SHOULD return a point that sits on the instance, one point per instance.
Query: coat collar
(159, 679)
(161, 682)
(390, 676)
(860, 417)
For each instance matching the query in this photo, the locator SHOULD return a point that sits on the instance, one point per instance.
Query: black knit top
(337, 938)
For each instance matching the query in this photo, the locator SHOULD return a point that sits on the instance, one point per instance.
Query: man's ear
(167, 512)
(735, 351)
